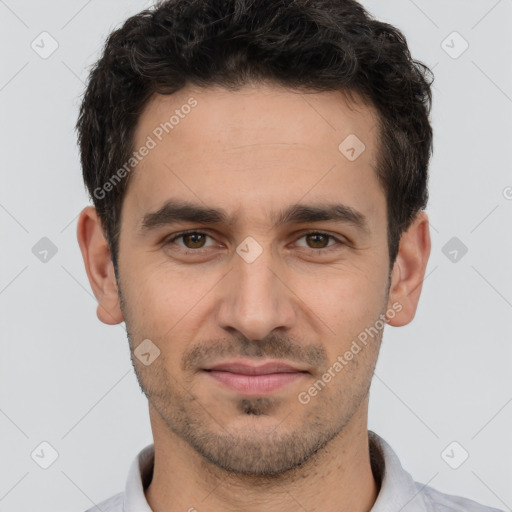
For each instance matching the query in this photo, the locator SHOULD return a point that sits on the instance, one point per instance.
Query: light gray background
(67, 379)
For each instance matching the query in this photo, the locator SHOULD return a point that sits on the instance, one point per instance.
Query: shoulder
(113, 504)
(441, 502)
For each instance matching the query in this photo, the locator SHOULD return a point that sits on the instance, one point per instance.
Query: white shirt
(398, 491)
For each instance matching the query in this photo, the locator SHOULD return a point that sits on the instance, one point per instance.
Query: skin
(254, 152)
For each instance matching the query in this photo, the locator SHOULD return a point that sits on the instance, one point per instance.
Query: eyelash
(201, 250)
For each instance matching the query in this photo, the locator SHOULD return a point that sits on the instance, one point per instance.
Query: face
(283, 266)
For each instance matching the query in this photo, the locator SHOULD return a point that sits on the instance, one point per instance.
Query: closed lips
(265, 369)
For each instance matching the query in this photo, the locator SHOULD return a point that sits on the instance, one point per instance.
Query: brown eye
(193, 240)
(318, 240)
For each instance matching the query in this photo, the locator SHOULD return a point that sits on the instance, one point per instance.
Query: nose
(256, 297)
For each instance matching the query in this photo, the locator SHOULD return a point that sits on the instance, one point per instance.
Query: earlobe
(409, 271)
(98, 265)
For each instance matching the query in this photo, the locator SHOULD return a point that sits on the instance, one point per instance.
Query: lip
(252, 380)
(246, 368)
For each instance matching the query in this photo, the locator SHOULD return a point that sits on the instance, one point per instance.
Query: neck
(339, 477)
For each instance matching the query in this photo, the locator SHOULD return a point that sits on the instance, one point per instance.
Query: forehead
(257, 145)
(255, 114)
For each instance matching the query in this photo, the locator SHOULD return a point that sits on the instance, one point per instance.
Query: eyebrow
(176, 211)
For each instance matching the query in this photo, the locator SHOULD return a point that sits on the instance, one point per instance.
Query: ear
(409, 270)
(99, 267)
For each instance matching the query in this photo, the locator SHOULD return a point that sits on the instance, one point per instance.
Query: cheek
(344, 298)
(164, 300)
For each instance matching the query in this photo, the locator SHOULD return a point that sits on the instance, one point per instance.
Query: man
(259, 178)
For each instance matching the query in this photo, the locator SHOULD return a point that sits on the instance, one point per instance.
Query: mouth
(249, 379)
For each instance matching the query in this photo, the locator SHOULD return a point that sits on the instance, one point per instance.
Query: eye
(318, 241)
(194, 240)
